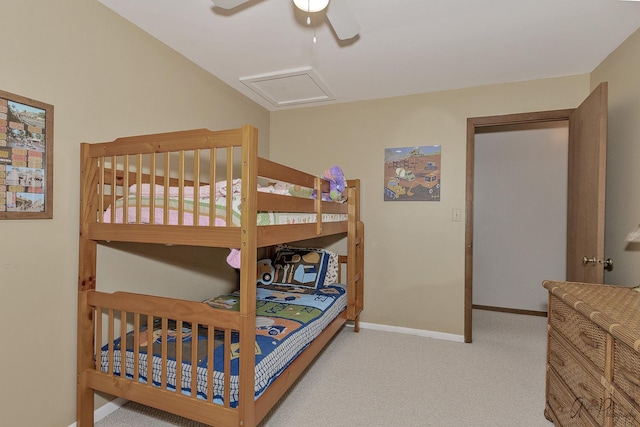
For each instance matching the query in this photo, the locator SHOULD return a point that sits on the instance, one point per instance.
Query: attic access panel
(290, 87)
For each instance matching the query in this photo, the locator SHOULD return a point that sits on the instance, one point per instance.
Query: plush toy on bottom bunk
(265, 272)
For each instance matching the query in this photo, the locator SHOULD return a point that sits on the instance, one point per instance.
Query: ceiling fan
(338, 13)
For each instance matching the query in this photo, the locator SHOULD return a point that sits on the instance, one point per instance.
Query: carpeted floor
(376, 378)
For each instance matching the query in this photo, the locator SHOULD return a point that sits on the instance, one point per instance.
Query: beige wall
(414, 263)
(622, 70)
(105, 79)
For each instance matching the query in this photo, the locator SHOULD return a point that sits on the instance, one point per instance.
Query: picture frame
(26, 158)
(412, 173)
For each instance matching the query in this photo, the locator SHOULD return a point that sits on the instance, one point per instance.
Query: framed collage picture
(26, 158)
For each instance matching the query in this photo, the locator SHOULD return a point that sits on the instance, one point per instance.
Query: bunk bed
(203, 188)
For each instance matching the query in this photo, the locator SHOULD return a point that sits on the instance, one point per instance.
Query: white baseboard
(105, 410)
(411, 331)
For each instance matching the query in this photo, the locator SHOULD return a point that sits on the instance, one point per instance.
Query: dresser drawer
(626, 370)
(585, 335)
(621, 415)
(588, 392)
(561, 404)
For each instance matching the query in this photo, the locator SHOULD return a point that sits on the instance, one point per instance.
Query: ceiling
(404, 46)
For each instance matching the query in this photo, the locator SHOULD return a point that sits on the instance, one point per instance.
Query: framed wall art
(26, 158)
(412, 173)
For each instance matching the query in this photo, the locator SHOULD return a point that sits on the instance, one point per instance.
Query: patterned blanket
(286, 324)
(264, 218)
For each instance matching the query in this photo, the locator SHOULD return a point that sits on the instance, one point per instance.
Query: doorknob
(607, 263)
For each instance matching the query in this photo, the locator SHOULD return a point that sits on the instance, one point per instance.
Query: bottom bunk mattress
(286, 324)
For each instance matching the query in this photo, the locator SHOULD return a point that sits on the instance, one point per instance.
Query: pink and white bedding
(204, 206)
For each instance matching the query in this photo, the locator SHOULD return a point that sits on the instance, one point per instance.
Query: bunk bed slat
(229, 203)
(110, 338)
(152, 186)
(196, 185)
(138, 174)
(210, 360)
(227, 368)
(179, 358)
(98, 341)
(180, 187)
(125, 186)
(167, 172)
(101, 195)
(114, 160)
(212, 178)
(136, 347)
(194, 360)
(123, 335)
(164, 349)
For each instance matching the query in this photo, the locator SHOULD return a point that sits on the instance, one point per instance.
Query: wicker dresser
(593, 355)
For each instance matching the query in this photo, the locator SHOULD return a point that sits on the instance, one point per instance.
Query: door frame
(472, 125)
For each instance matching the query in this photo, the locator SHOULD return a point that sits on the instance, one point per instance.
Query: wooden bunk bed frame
(107, 171)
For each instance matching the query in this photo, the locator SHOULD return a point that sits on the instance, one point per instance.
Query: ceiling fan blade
(228, 4)
(342, 20)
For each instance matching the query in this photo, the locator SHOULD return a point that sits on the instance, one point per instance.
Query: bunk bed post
(355, 263)
(86, 283)
(248, 261)
(360, 279)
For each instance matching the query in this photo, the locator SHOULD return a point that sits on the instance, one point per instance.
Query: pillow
(298, 270)
(331, 276)
(332, 269)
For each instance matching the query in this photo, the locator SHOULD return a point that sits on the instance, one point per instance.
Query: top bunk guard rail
(124, 183)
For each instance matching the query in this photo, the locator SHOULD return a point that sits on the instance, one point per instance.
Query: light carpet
(374, 378)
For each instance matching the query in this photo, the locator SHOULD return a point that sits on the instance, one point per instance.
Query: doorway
(475, 125)
(520, 215)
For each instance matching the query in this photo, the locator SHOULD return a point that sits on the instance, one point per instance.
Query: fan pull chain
(315, 40)
(309, 22)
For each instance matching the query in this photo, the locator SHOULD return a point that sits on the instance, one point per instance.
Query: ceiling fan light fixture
(311, 5)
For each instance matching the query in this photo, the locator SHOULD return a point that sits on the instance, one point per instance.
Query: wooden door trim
(473, 124)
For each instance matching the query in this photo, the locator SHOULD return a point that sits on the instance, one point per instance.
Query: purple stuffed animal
(337, 182)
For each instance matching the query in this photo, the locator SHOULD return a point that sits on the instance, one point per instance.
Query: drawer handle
(587, 340)
(556, 357)
(558, 315)
(630, 377)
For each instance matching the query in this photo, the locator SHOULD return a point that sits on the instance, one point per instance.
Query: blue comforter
(286, 323)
